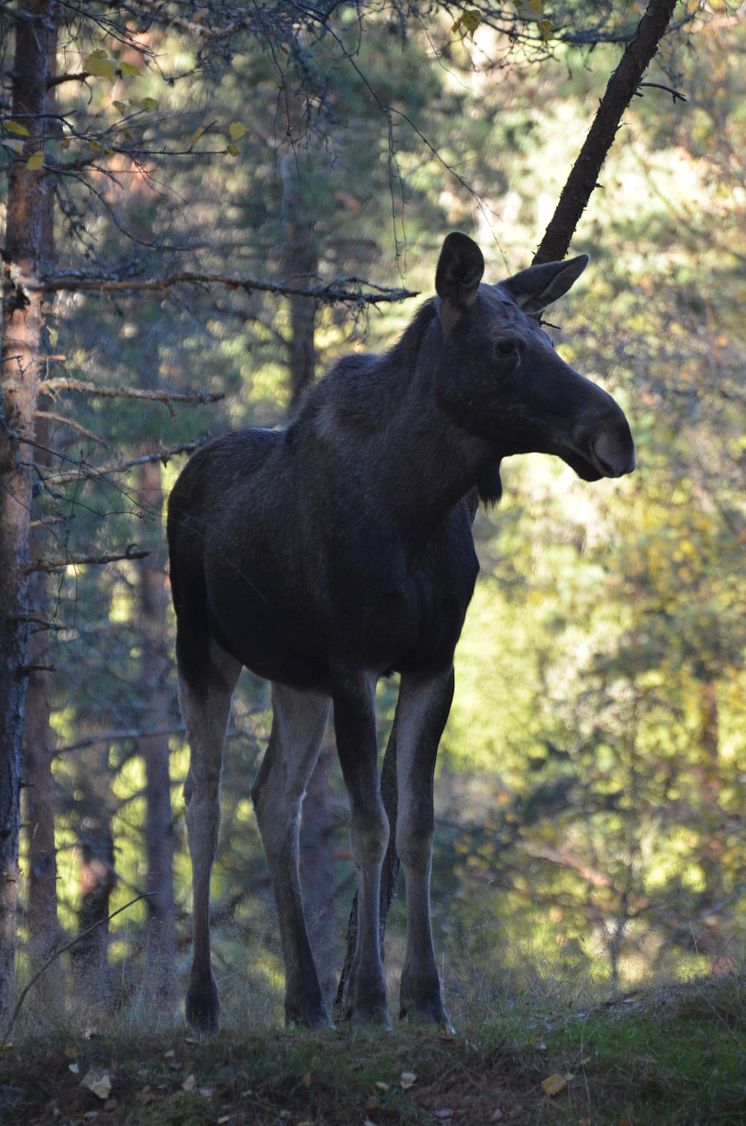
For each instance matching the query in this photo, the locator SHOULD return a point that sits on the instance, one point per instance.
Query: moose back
(327, 555)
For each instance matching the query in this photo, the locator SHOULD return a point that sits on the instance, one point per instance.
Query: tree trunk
(620, 90)
(27, 230)
(160, 948)
(90, 956)
(41, 884)
(301, 263)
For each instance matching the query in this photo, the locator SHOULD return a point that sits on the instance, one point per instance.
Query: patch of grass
(676, 1056)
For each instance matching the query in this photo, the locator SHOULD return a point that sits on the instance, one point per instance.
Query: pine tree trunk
(27, 232)
(160, 949)
(90, 956)
(41, 883)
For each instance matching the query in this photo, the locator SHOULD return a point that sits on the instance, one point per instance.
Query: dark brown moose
(327, 555)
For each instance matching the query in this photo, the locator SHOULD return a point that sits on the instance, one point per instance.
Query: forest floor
(673, 1056)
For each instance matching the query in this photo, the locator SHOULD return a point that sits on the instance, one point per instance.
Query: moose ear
(457, 278)
(538, 286)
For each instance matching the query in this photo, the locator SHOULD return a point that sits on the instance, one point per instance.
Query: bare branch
(86, 472)
(24, 992)
(62, 383)
(619, 92)
(52, 565)
(337, 290)
(73, 426)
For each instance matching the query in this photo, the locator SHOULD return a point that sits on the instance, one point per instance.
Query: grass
(677, 1055)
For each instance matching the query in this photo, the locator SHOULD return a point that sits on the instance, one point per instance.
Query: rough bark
(27, 229)
(42, 921)
(160, 948)
(97, 880)
(301, 264)
(619, 92)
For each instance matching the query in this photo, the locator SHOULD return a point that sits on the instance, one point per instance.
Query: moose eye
(506, 349)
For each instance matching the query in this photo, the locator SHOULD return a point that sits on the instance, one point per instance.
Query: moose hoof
(310, 1017)
(202, 1006)
(424, 1005)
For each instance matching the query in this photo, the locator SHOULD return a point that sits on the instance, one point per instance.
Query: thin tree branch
(57, 953)
(51, 565)
(337, 290)
(619, 92)
(84, 471)
(62, 383)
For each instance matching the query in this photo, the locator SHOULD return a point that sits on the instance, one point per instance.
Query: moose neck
(381, 416)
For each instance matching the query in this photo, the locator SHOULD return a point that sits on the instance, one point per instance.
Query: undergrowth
(676, 1055)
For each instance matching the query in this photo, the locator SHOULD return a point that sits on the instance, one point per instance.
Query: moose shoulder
(329, 554)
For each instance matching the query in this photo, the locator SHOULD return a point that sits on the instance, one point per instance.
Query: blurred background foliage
(591, 783)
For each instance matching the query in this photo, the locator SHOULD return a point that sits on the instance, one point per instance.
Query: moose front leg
(421, 714)
(355, 729)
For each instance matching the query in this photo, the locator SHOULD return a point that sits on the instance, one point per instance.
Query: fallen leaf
(98, 1082)
(306, 1080)
(381, 1085)
(444, 1113)
(496, 1115)
(553, 1084)
(407, 1080)
(189, 1083)
(169, 1054)
(74, 1067)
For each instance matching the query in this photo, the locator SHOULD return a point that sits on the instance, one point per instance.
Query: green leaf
(120, 107)
(148, 103)
(16, 128)
(236, 130)
(130, 68)
(469, 21)
(100, 66)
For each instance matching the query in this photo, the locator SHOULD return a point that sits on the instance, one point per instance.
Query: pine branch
(336, 291)
(620, 90)
(51, 565)
(62, 383)
(86, 472)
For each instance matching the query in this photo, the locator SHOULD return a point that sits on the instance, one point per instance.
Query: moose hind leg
(205, 702)
(424, 703)
(355, 728)
(298, 723)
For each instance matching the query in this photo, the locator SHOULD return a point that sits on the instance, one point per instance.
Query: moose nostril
(613, 456)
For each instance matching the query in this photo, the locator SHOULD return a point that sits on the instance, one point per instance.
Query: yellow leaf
(15, 127)
(130, 68)
(200, 132)
(98, 1082)
(233, 150)
(553, 1084)
(99, 65)
(546, 29)
(236, 130)
(35, 161)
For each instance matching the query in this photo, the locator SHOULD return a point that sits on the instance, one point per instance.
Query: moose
(338, 551)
